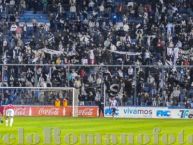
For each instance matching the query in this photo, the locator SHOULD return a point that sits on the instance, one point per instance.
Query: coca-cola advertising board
(88, 111)
(22, 111)
(47, 111)
(19, 110)
(83, 111)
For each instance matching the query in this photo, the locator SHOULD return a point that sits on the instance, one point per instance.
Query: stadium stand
(154, 37)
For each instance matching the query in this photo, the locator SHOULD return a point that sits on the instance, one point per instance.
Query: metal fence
(140, 85)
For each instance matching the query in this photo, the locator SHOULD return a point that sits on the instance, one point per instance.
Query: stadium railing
(133, 100)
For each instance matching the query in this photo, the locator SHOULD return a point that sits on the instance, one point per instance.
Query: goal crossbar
(55, 88)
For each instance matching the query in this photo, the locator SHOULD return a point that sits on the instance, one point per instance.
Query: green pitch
(54, 130)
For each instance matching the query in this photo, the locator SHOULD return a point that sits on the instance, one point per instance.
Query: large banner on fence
(83, 111)
(150, 112)
(121, 112)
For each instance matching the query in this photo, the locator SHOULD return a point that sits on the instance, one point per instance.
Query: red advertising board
(88, 111)
(83, 111)
(22, 111)
(47, 111)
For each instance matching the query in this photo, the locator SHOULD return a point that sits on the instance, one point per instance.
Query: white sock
(6, 122)
(11, 121)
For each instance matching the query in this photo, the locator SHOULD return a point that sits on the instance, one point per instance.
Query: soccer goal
(40, 96)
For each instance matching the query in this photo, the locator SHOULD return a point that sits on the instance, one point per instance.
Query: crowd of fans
(147, 44)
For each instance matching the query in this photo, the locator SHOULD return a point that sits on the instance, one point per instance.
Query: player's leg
(1, 119)
(11, 121)
(11, 117)
(7, 114)
(102, 110)
(99, 111)
(6, 120)
(113, 112)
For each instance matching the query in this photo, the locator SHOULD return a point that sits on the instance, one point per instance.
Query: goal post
(66, 92)
(74, 103)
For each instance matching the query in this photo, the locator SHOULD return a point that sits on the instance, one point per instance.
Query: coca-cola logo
(86, 112)
(49, 111)
(21, 111)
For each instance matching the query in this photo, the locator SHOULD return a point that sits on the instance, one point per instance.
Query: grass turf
(102, 126)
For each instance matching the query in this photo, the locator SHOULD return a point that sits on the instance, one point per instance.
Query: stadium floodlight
(70, 92)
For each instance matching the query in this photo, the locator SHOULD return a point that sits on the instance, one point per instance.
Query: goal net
(40, 96)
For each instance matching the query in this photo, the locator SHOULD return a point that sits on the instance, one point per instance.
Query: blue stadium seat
(28, 16)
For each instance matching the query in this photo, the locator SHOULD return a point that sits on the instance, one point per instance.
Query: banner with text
(149, 112)
(83, 111)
